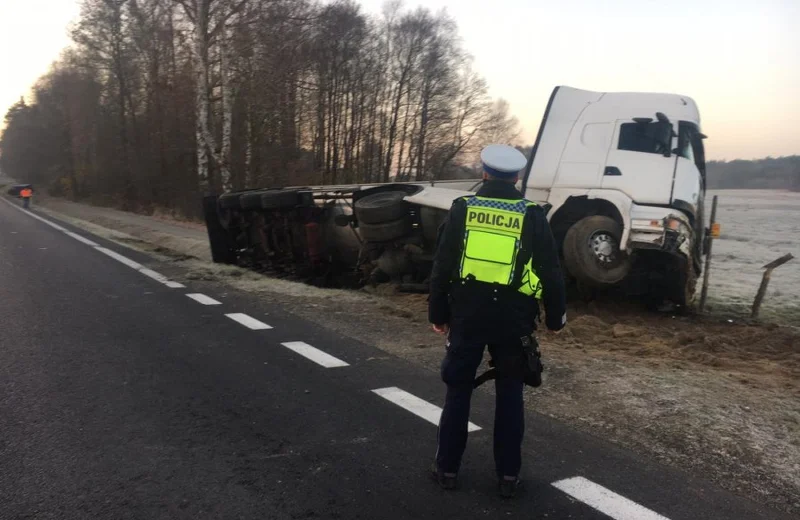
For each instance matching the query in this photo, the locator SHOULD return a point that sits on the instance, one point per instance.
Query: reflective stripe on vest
(492, 244)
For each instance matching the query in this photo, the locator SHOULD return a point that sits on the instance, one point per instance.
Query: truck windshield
(641, 137)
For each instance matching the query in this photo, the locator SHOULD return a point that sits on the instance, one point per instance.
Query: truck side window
(640, 137)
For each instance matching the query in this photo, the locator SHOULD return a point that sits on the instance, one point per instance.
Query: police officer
(495, 259)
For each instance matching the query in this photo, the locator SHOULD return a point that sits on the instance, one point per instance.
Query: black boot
(508, 487)
(447, 481)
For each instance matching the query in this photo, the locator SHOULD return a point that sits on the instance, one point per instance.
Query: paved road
(123, 397)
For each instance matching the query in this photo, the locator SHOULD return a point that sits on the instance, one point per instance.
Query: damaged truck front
(623, 174)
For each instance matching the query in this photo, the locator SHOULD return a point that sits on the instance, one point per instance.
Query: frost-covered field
(758, 226)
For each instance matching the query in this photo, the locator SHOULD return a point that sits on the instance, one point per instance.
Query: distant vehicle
(622, 173)
(15, 190)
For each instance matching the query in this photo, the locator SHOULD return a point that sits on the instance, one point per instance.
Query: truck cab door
(640, 162)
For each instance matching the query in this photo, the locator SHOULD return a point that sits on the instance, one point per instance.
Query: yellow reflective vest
(493, 243)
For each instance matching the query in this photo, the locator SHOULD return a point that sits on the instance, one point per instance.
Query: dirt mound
(764, 350)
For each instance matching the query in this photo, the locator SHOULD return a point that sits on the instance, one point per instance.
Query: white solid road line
(37, 217)
(116, 256)
(605, 500)
(314, 354)
(122, 259)
(82, 239)
(202, 298)
(415, 405)
(247, 321)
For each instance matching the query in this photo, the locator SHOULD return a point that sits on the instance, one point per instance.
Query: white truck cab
(634, 159)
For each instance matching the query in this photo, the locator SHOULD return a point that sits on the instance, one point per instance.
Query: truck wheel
(592, 254)
(279, 199)
(386, 206)
(218, 238)
(384, 232)
(685, 290)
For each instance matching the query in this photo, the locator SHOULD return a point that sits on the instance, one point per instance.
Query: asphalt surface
(121, 397)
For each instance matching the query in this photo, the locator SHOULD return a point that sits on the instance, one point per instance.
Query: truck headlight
(675, 224)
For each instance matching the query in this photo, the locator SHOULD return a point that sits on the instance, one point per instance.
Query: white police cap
(501, 160)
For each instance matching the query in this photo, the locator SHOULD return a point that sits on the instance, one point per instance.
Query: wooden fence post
(707, 269)
(762, 290)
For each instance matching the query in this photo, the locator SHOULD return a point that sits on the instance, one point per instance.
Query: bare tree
(159, 101)
(209, 19)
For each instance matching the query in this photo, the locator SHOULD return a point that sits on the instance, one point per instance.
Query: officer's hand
(441, 329)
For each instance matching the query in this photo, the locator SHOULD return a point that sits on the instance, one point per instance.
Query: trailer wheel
(386, 206)
(251, 200)
(230, 200)
(218, 238)
(592, 254)
(279, 199)
(385, 231)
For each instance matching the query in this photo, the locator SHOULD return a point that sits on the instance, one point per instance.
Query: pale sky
(739, 59)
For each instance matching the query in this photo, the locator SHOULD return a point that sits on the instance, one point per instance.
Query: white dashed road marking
(116, 256)
(604, 500)
(202, 298)
(314, 354)
(415, 405)
(247, 321)
(154, 275)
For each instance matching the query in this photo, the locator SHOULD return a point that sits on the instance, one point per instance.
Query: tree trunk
(227, 108)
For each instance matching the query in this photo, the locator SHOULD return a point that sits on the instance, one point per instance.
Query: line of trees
(160, 101)
(768, 173)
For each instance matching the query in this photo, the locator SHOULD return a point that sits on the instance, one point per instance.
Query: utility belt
(525, 363)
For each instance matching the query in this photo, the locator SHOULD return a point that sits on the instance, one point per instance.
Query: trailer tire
(251, 200)
(230, 200)
(385, 231)
(218, 238)
(592, 254)
(378, 208)
(279, 199)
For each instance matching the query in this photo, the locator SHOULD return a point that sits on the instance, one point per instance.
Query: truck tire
(685, 290)
(385, 231)
(218, 238)
(378, 208)
(592, 254)
(279, 199)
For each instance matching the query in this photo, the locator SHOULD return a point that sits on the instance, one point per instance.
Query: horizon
(746, 87)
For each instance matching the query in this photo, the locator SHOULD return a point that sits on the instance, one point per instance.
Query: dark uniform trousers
(464, 355)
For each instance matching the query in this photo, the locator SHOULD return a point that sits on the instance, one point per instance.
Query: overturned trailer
(350, 234)
(623, 174)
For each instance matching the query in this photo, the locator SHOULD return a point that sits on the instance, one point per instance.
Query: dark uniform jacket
(481, 307)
